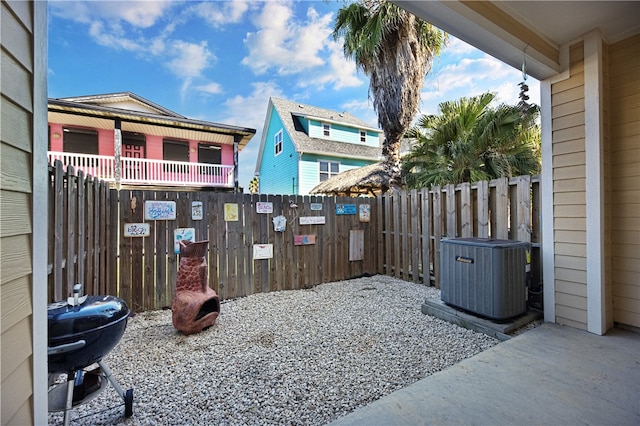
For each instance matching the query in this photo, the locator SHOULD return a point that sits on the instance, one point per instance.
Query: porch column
(598, 321)
(236, 141)
(117, 151)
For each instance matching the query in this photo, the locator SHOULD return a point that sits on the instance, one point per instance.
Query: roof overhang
(95, 116)
(536, 30)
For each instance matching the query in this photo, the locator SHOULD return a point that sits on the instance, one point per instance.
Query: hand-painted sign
(279, 223)
(230, 212)
(264, 207)
(345, 209)
(136, 230)
(365, 212)
(312, 220)
(262, 251)
(316, 206)
(304, 240)
(179, 234)
(159, 210)
(196, 210)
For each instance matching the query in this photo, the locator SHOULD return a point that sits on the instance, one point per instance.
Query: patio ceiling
(509, 29)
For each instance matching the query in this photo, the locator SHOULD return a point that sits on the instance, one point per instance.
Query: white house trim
(593, 68)
(548, 237)
(40, 201)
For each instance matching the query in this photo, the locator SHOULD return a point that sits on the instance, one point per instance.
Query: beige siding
(16, 185)
(569, 199)
(624, 180)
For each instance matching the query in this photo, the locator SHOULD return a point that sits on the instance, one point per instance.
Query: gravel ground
(301, 357)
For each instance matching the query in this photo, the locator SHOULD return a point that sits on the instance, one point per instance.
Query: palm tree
(471, 141)
(395, 49)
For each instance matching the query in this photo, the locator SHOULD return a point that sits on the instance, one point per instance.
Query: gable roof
(123, 100)
(291, 112)
(141, 115)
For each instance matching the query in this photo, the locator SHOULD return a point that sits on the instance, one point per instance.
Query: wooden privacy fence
(413, 222)
(321, 243)
(79, 228)
(302, 256)
(88, 223)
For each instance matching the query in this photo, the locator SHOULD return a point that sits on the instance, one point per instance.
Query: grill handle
(67, 347)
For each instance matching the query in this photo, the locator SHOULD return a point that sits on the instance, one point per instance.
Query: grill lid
(97, 312)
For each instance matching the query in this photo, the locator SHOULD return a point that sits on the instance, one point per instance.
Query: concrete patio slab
(551, 375)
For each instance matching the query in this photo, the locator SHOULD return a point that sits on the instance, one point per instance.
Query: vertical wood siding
(624, 152)
(16, 148)
(569, 194)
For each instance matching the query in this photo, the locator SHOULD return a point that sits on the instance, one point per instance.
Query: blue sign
(345, 209)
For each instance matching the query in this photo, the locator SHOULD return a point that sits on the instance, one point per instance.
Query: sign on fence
(304, 240)
(345, 209)
(136, 230)
(312, 220)
(262, 251)
(182, 234)
(264, 207)
(159, 210)
(196, 210)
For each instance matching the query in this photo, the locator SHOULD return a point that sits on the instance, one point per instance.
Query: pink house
(127, 140)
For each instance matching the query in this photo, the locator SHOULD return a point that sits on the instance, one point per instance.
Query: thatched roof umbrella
(368, 180)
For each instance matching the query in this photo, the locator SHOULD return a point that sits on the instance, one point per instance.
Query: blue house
(303, 145)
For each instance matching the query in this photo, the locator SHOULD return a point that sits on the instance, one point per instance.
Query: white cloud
(286, 44)
(220, 13)
(458, 47)
(189, 59)
(210, 88)
(138, 13)
(114, 37)
(250, 110)
(341, 72)
(474, 76)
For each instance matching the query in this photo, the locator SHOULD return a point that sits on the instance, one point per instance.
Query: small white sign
(264, 207)
(262, 251)
(137, 230)
(316, 206)
(312, 220)
(196, 210)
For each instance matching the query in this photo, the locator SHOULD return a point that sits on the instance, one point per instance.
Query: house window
(277, 143)
(175, 151)
(209, 154)
(363, 136)
(328, 169)
(81, 141)
(326, 129)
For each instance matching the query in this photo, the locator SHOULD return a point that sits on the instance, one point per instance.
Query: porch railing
(138, 171)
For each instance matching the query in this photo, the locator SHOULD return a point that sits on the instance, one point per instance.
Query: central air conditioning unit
(486, 277)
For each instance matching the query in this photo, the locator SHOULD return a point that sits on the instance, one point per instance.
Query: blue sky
(220, 61)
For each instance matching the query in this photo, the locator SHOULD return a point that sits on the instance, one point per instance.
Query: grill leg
(71, 379)
(112, 380)
(126, 396)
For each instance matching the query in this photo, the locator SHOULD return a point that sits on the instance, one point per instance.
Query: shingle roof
(290, 112)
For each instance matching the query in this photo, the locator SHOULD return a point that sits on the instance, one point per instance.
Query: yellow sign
(230, 212)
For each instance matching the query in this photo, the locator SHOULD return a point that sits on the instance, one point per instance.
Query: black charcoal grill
(82, 331)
